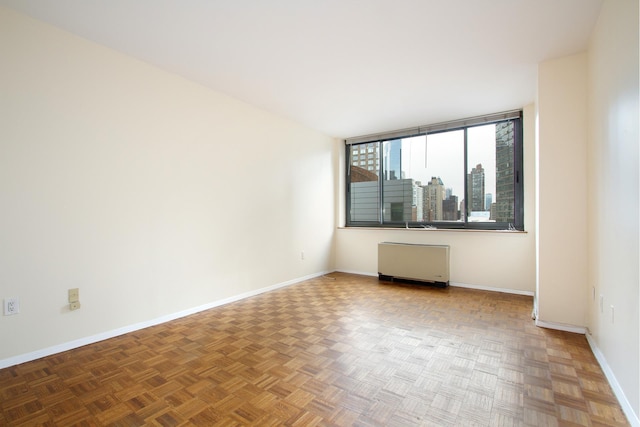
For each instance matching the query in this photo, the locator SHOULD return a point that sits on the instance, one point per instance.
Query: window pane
(490, 173)
(424, 175)
(398, 204)
(364, 183)
(444, 186)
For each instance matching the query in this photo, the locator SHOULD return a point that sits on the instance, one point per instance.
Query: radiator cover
(414, 262)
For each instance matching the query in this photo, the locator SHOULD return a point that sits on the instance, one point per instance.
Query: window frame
(464, 124)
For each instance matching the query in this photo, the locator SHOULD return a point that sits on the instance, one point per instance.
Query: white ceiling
(344, 67)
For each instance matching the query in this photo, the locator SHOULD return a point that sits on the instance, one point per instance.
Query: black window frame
(464, 124)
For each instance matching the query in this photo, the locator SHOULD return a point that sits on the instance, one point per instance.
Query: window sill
(416, 229)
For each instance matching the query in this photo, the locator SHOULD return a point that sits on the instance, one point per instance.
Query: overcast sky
(445, 156)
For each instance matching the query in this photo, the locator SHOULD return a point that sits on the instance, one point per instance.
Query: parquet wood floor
(339, 350)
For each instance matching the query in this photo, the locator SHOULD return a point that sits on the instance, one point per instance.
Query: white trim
(561, 327)
(27, 357)
(359, 273)
(458, 284)
(632, 417)
(491, 289)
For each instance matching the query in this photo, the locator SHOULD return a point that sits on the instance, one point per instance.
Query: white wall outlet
(74, 295)
(74, 305)
(11, 306)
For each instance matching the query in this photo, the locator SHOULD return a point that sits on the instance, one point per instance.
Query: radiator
(425, 263)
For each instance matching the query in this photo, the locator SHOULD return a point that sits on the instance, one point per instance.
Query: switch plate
(74, 295)
(11, 306)
(612, 317)
(74, 305)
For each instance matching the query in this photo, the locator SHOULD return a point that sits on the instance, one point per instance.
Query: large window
(463, 174)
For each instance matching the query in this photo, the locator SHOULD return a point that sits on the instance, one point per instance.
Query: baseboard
(16, 360)
(492, 289)
(359, 273)
(632, 417)
(457, 284)
(561, 327)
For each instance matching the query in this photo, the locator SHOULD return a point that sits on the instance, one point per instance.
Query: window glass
(444, 186)
(466, 177)
(481, 172)
(364, 192)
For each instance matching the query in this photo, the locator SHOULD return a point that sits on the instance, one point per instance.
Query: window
(463, 174)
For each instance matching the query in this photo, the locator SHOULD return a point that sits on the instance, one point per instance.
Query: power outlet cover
(74, 295)
(11, 306)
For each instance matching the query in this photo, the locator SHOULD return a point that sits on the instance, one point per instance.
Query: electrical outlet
(74, 305)
(11, 306)
(74, 295)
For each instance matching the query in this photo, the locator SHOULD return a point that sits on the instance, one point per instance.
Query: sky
(445, 154)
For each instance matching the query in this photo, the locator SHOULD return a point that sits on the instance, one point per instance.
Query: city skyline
(423, 177)
(440, 154)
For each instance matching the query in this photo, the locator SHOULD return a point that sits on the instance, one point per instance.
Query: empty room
(332, 213)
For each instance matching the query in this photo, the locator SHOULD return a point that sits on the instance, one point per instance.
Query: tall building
(450, 209)
(448, 192)
(366, 156)
(504, 172)
(392, 159)
(475, 187)
(418, 201)
(434, 196)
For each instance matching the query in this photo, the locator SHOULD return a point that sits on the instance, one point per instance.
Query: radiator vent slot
(413, 262)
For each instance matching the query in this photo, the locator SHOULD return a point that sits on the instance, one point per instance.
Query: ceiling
(343, 67)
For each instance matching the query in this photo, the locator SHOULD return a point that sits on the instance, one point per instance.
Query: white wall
(613, 194)
(501, 260)
(150, 193)
(562, 191)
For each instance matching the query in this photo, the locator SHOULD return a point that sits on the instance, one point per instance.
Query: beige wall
(154, 195)
(613, 194)
(562, 191)
(150, 193)
(500, 260)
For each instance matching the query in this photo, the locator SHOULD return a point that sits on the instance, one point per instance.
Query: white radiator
(426, 263)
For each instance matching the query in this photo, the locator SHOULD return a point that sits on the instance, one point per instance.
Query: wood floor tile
(339, 350)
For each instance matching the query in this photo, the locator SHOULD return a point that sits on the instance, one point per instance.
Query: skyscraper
(435, 194)
(392, 159)
(450, 209)
(488, 199)
(475, 187)
(504, 172)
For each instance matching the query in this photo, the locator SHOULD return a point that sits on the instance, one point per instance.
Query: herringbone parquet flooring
(339, 350)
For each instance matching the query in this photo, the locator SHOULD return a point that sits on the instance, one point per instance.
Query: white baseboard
(22, 358)
(492, 289)
(632, 417)
(457, 284)
(359, 273)
(561, 327)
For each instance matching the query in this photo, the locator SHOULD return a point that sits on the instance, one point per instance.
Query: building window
(462, 174)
